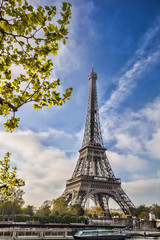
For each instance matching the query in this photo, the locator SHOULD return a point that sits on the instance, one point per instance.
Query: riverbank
(131, 234)
(58, 233)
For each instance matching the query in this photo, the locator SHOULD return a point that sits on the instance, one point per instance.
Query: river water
(133, 238)
(141, 237)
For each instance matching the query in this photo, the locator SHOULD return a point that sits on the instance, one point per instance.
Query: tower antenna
(92, 66)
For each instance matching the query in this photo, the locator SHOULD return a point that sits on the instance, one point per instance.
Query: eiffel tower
(93, 176)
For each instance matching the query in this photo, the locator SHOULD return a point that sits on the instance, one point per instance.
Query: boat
(98, 234)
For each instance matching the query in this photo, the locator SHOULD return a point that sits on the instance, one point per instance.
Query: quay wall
(130, 223)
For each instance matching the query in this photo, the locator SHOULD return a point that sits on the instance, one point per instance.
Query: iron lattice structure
(93, 176)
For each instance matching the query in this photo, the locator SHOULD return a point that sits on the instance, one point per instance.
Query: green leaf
(47, 8)
(30, 8)
(51, 27)
(64, 41)
(64, 6)
(11, 124)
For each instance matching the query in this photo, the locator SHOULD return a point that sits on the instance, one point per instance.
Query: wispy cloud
(143, 60)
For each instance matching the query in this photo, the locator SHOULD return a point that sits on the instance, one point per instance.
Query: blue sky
(122, 38)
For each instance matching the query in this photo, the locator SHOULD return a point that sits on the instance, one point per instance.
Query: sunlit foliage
(28, 40)
(8, 179)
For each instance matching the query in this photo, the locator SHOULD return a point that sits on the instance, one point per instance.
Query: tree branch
(1, 4)
(29, 97)
(9, 104)
(2, 186)
(2, 36)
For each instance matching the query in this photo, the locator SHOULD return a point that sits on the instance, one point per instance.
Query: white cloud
(53, 133)
(130, 163)
(150, 112)
(134, 131)
(153, 145)
(138, 176)
(135, 138)
(158, 173)
(125, 141)
(79, 137)
(144, 191)
(143, 187)
(45, 169)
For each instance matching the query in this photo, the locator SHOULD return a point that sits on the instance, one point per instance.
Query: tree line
(54, 211)
(59, 211)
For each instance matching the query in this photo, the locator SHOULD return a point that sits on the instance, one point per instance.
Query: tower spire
(92, 66)
(92, 133)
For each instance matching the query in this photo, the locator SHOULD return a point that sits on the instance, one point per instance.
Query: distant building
(152, 216)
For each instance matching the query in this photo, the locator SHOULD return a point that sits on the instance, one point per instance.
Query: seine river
(135, 238)
(140, 238)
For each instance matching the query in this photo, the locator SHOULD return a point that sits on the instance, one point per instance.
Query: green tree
(74, 219)
(81, 219)
(28, 210)
(44, 219)
(35, 217)
(28, 40)
(9, 179)
(9, 208)
(60, 205)
(156, 210)
(76, 209)
(142, 211)
(12, 205)
(59, 219)
(52, 218)
(66, 219)
(21, 218)
(95, 211)
(45, 209)
(115, 214)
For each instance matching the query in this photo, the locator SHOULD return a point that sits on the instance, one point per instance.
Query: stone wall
(129, 223)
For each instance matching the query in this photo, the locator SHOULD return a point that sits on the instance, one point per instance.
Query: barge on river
(101, 234)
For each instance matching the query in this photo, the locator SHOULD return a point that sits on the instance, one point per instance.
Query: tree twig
(29, 97)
